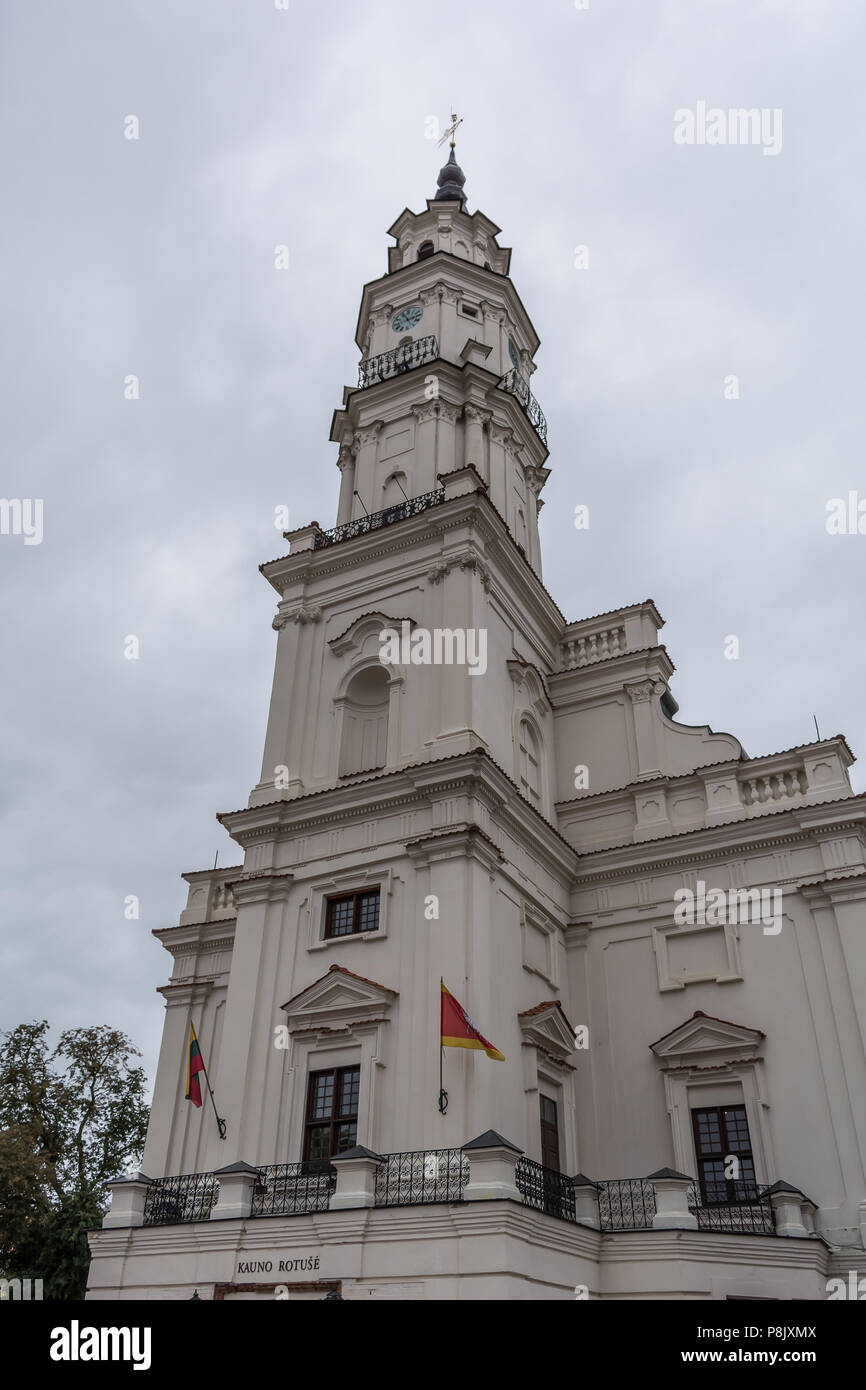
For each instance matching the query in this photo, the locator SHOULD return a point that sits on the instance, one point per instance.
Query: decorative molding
(295, 613)
(537, 930)
(466, 560)
(725, 934)
(368, 435)
(437, 409)
(641, 691)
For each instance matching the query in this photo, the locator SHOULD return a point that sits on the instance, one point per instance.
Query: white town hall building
(664, 937)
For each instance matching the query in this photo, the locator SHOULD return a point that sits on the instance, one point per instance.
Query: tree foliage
(71, 1118)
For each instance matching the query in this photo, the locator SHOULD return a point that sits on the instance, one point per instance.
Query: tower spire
(451, 177)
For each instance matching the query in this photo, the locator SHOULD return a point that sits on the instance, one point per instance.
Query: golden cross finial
(452, 128)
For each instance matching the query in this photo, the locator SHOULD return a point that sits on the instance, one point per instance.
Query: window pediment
(354, 637)
(547, 1027)
(705, 1040)
(338, 999)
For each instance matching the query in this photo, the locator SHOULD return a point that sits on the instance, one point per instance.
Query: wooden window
(549, 1133)
(720, 1133)
(425, 249)
(332, 1113)
(351, 914)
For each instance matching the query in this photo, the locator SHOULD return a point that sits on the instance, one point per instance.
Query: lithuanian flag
(194, 1065)
(458, 1030)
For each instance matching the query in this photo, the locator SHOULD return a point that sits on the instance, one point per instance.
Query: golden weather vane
(452, 128)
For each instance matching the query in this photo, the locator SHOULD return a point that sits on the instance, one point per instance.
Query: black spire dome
(450, 181)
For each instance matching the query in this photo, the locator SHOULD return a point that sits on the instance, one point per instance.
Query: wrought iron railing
(362, 524)
(751, 1215)
(288, 1189)
(397, 360)
(421, 1176)
(517, 386)
(177, 1200)
(440, 1175)
(626, 1204)
(545, 1189)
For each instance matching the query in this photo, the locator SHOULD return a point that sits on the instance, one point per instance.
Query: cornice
(475, 772)
(641, 860)
(473, 508)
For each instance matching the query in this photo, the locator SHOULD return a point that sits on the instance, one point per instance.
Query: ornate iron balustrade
(362, 524)
(427, 1176)
(397, 360)
(752, 1215)
(626, 1204)
(178, 1200)
(289, 1189)
(545, 1189)
(516, 385)
(421, 1176)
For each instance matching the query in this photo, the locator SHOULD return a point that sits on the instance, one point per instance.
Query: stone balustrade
(608, 635)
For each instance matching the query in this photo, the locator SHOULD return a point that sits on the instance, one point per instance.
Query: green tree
(70, 1119)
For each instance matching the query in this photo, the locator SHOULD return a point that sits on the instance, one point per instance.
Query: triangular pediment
(702, 1037)
(546, 1026)
(337, 999)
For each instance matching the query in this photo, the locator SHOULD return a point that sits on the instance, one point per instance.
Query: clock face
(407, 318)
(512, 353)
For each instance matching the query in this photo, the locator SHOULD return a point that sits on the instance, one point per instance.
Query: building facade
(664, 936)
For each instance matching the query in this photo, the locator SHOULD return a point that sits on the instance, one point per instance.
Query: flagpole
(443, 1094)
(221, 1124)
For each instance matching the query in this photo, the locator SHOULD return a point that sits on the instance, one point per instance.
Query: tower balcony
(397, 360)
(515, 384)
(362, 524)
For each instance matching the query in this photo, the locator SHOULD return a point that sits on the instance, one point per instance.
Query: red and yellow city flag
(458, 1030)
(193, 1066)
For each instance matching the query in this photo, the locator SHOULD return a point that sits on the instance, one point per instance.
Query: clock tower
(448, 353)
(460, 785)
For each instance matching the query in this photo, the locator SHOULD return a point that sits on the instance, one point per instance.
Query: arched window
(394, 491)
(530, 763)
(425, 249)
(364, 741)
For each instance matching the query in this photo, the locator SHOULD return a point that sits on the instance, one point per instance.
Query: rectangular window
(722, 1135)
(332, 1113)
(549, 1133)
(352, 913)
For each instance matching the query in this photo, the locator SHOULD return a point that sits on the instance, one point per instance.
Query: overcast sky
(305, 126)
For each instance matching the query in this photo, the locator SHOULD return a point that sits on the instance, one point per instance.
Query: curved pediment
(353, 638)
